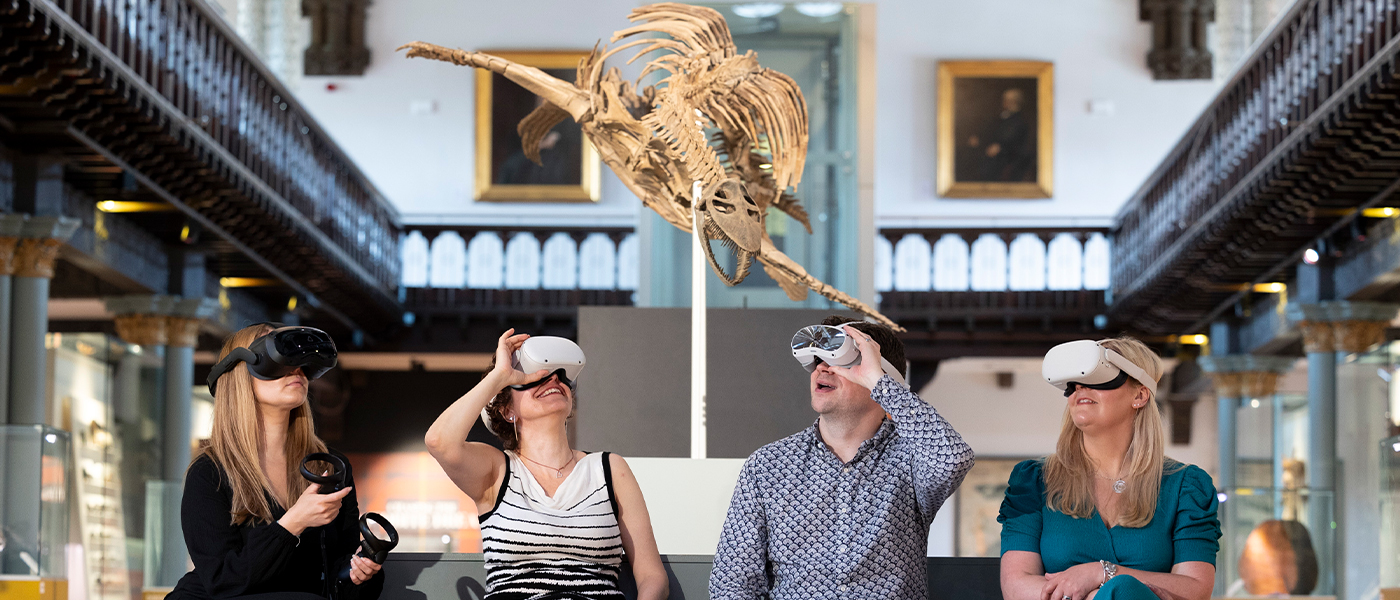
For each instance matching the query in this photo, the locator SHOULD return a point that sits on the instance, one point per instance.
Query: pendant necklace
(1118, 486)
(558, 471)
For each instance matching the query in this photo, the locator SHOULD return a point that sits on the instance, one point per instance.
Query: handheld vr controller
(330, 482)
(372, 545)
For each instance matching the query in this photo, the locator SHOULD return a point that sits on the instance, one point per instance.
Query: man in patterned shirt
(842, 509)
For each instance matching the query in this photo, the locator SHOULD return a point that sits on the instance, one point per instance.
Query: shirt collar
(882, 436)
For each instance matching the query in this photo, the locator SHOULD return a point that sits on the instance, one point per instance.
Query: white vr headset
(561, 356)
(831, 345)
(1087, 363)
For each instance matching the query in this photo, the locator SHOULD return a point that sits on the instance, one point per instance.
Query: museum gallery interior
(674, 190)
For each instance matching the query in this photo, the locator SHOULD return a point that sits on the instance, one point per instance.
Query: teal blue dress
(1185, 528)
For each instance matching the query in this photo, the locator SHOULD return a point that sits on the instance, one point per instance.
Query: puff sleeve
(1021, 515)
(1196, 530)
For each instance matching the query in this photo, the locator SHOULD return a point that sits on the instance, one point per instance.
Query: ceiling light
(757, 10)
(1193, 340)
(1310, 256)
(119, 206)
(245, 282)
(819, 9)
(1269, 288)
(1380, 213)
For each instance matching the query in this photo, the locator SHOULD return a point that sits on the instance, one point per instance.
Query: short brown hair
(891, 347)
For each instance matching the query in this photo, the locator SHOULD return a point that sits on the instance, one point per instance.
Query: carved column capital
(142, 330)
(40, 238)
(184, 331)
(1341, 325)
(8, 245)
(1227, 385)
(36, 257)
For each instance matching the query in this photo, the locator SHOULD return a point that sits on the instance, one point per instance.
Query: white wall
(423, 163)
(1100, 51)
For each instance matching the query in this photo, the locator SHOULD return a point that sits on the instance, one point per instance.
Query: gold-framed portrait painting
(568, 169)
(995, 129)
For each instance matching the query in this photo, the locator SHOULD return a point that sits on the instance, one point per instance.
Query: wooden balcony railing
(1300, 137)
(169, 93)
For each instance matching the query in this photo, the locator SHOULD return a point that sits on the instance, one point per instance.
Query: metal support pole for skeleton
(698, 329)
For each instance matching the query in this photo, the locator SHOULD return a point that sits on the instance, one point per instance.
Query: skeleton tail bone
(780, 267)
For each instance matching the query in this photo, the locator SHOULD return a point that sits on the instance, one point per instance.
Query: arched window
(415, 260)
(560, 264)
(449, 257)
(486, 261)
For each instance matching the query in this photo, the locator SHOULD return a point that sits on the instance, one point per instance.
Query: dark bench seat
(431, 576)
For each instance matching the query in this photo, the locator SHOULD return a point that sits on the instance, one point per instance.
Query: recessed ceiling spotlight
(819, 9)
(1310, 256)
(757, 10)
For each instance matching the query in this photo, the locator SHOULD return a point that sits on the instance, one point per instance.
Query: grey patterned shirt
(802, 525)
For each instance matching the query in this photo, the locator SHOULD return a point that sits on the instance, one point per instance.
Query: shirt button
(841, 510)
(845, 469)
(842, 549)
(842, 588)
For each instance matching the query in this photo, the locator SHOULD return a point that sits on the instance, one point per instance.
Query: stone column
(1332, 329)
(11, 225)
(182, 325)
(40, 238)
(1360, 424)
(1236, 377)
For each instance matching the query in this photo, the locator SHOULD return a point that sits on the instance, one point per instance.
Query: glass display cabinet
(34, 490)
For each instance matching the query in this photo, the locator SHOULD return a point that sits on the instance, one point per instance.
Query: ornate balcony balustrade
(166, 92)
(450, 270)
(1301, 137)
(992, 292)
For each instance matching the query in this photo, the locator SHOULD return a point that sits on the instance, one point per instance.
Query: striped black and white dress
(568, 546)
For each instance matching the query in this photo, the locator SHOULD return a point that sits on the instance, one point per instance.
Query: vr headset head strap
(234, 357)
(1131, 368)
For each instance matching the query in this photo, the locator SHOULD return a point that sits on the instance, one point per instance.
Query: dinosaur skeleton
(655, 137)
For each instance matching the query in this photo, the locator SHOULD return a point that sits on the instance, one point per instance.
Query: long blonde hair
(1070, 473)
(236, 443)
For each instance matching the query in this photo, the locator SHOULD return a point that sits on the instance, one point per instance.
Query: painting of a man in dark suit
(995, 129)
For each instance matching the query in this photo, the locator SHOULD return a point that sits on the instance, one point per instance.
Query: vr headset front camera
(831, 345)
(280, 352)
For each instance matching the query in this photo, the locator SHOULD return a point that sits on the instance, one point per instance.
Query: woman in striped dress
(556, 523)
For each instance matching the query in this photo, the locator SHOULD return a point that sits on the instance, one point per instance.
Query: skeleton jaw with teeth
(655, 139)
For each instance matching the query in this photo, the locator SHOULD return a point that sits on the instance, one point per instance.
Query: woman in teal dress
(1108, 516)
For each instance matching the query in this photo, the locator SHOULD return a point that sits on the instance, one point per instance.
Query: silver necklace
(558, 471)
(1118, 486)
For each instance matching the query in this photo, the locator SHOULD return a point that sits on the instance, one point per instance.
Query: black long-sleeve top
(238, 560)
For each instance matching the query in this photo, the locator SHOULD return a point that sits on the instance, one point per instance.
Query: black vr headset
(281, 351)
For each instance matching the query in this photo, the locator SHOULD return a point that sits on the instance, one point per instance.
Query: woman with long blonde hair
(254, 527)
(1108, 515)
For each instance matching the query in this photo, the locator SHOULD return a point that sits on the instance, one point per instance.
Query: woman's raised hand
(503, 372)
(312, 509)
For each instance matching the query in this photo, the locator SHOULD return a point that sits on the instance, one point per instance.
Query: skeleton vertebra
(655, 139)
